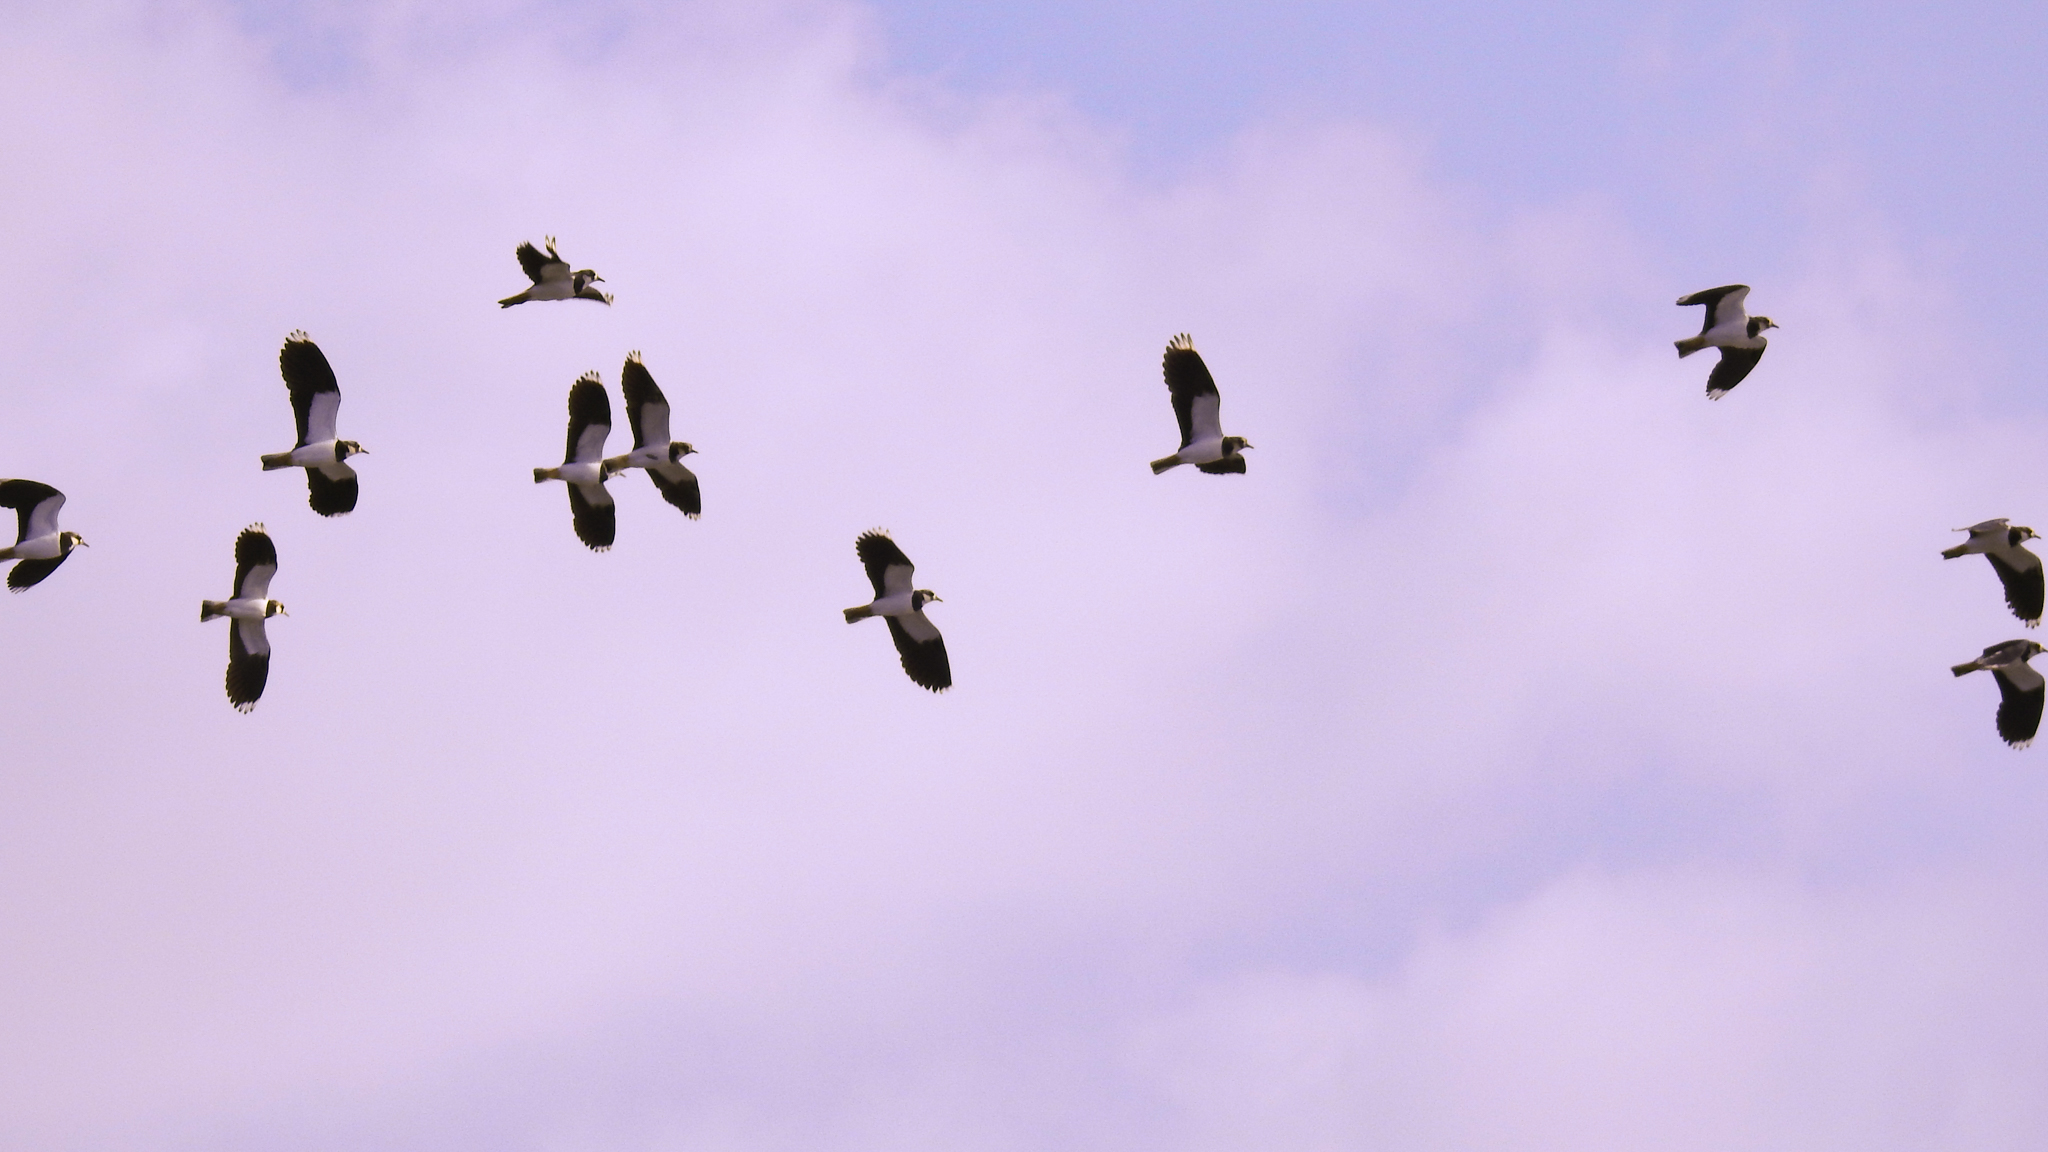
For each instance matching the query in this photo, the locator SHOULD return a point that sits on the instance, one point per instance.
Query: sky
(1525, 752)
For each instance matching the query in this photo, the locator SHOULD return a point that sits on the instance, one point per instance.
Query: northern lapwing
(248, 646)
(2019, 688)
(647, 411)
(1738, 335)
(590, 421)
(37, 543)
(2018, 569)
(917, 640)
(316, 398)
(1195, 405)
(552, 279)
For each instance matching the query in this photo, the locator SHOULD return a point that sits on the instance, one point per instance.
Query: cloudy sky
(1526, 754)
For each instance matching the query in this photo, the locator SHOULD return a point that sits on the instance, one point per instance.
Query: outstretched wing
(596, 517)
(1714, 298)
(2020, 692)
(1735, 364)
(889, 570)
(255, 563)
(590, 421)
(678, 486)
(315, 396)
(539, 267)
(1195, 400)
(1223, 467)
(30, 573)
(35, 505)
(331, 488)
(923, 651)
(2023, 584)
(646, 407)
(248, 663)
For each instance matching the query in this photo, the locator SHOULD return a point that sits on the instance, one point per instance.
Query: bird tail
(613, 465)
(540, 475)
(860, 613)
(275, 460)
(1165, 462)
(1963, 669)
(208, 609)
(1952, 553)
(1689, 345)
(509, 301)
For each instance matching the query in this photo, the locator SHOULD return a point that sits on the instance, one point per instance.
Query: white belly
(551, 290)
(37, 548)
(247, 609)
(1203, 451)
(584, 473)
(318, 452)
(897, 605)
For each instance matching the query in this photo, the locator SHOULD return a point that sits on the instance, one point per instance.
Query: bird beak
(597, 279)
(81, 542)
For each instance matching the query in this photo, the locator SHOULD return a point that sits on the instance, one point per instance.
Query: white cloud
(527, 847)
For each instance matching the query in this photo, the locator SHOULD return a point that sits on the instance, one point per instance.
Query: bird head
(66, 541)
(1235, 444)
(2022, 532)
(677, 449)
(922, 597)
(1759, 323)
(343, 449)
(274, 608)
(585, 277)
(2032, 649)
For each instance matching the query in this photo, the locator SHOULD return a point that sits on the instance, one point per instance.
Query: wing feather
(2023, 585)
(1733, 368)
(646, 407)
(590, 421)
(1187, 380)
(30, 573)
(331, 489)
(35, 505)
(889, 570)
(255, 563)
(316, 397)
(594, 514)
(924, 659)
(248, 663)
(2020, 694)
(678, 486)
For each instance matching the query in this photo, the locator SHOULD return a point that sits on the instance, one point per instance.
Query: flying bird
(330, 482)
(662, 458)
(37, 543)
(248, 647)
(917, 640)
(2019, 688)
(583, 464)
(1739, 336)
(552, 279)
(2018, 569)
(1195, 404)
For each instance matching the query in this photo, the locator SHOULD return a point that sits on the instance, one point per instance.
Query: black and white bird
(552, 279)
(316, 398)
(37, 543)
(2019, 688)
(248, 646)
(2018, 569)
(647, 411)
(1195, 405)
(1738, 335)
(583, 465)
(917, 639)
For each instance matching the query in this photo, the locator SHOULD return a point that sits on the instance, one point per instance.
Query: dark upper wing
(1224, 466)
(255, 563)
(923, 660)
(248, 663)
(2023, 586)
(535, 264)
(590, 421)
(315, 395)
(646, 407)
(30, 573)
(1186, 379)
(26, 498)
(331, 495)
(879, 554)
(1712, 299)
(1735, 364)
(596, 517)
(2019, 704)
(678, 486)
